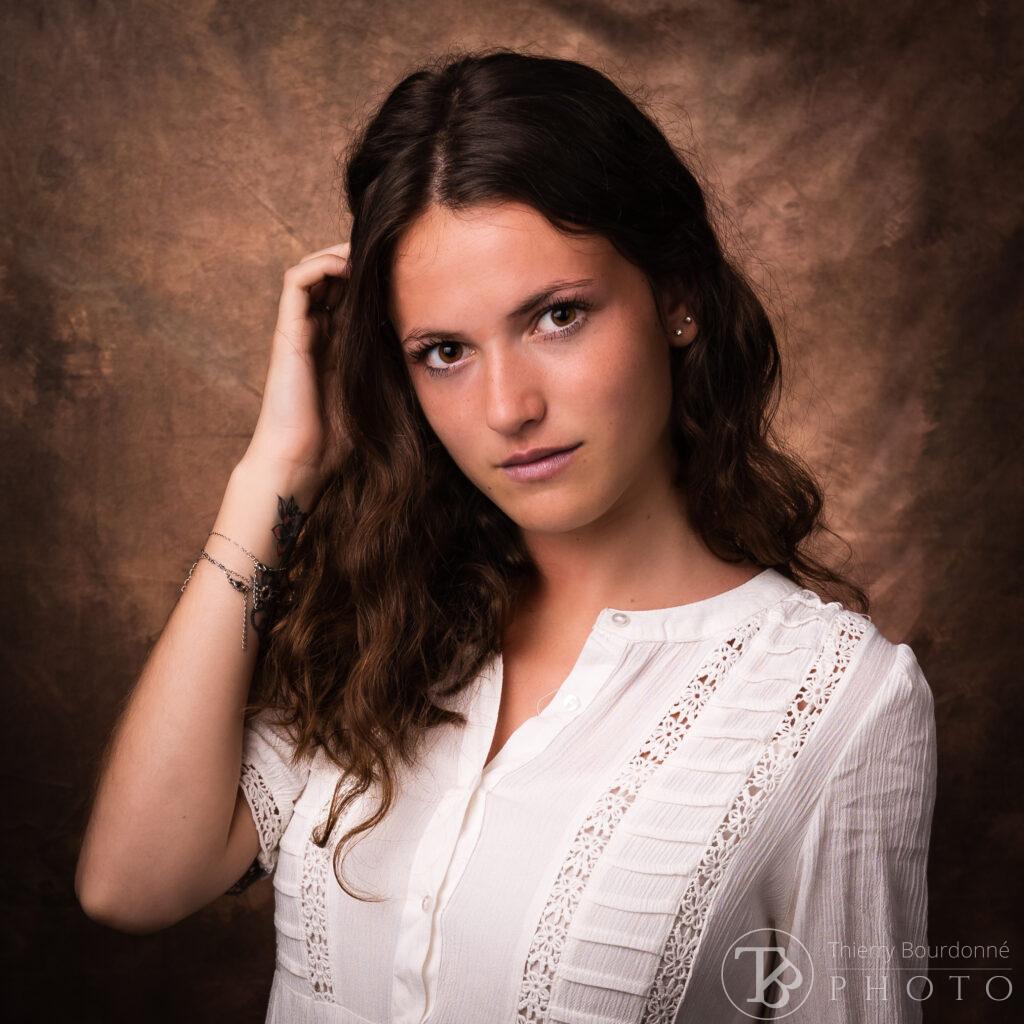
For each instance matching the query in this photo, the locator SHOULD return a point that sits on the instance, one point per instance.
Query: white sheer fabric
(759, 759)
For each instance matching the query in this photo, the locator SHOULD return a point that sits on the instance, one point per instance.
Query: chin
(551, 513)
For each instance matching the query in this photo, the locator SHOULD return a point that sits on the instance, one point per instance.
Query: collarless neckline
(697, 619)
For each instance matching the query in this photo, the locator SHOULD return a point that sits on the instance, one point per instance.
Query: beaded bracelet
(263, 584)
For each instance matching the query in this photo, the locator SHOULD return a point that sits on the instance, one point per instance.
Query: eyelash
(577, 302)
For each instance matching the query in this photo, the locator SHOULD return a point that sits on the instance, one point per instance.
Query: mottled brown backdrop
(163, 163)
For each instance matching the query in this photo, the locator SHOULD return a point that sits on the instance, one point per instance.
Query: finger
(342, 249)
(294, 304)
(329, 291)
(309, 272)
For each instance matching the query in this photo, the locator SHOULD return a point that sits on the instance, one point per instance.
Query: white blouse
(759, 759)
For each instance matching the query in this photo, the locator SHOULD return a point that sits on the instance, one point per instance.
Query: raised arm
(170, 827)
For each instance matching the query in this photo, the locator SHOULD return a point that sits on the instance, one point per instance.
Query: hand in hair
(291, 432)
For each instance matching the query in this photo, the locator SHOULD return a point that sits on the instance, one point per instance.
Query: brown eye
(448, 345)
(566, 316)
(566, 308)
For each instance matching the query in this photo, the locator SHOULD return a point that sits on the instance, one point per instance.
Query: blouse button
(425, 902)
(572, 702)
(621, 618)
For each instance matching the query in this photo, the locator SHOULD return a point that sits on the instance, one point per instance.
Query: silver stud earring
(686, 320)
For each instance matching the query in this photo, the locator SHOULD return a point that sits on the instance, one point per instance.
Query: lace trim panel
(549, 939)
(266, 815)
(673, 973)
(317, 868)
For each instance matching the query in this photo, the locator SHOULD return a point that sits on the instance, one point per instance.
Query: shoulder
(897, 708)
(892, 698)
(849, 642)
(862, 739)
(865, 688)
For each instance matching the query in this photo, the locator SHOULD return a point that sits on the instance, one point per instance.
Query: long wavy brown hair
(405, 576)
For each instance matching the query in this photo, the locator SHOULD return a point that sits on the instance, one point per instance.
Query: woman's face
(586, 364)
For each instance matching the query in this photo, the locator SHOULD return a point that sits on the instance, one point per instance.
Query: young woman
(542, 656)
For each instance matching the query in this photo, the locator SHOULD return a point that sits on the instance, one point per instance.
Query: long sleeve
(860, 901)
(271, 784)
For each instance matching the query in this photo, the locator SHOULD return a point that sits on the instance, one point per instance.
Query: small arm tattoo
(268, 585)
(287, 530)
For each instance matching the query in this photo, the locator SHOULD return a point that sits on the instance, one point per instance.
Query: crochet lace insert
(592, 837)
(266, 813)
(317, 867)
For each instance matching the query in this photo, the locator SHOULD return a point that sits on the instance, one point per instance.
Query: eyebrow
(526, 306)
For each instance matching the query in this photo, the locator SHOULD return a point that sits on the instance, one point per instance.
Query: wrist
(263, 510)
(284, 479)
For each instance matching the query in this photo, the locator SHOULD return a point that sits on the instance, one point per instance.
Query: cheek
(629, 390)
(450, 420)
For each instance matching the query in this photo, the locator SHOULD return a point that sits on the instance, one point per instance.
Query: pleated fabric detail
(624, 938)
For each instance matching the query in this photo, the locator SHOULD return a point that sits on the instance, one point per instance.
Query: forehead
(449, 265)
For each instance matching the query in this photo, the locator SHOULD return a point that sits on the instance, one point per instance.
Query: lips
(542, 468)
(536, 454)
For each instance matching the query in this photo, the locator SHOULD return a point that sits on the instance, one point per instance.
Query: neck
(643, 554)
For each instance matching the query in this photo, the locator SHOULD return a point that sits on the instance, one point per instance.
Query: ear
(676, 307)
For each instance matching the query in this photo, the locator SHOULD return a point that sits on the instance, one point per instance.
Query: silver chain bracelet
(262, 584)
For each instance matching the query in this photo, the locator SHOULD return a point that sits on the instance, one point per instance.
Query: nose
(513, 395)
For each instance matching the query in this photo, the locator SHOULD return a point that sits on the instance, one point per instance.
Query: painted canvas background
(162, 164)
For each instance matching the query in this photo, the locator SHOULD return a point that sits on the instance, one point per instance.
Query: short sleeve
(271, 784)
(861, 898)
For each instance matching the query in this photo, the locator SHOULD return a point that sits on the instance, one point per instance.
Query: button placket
(449, 838)
(454, 824)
